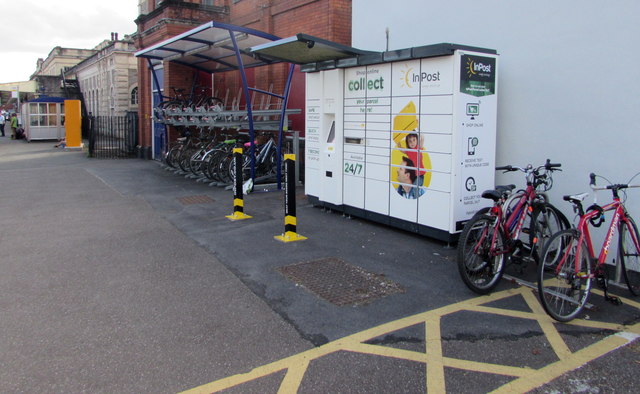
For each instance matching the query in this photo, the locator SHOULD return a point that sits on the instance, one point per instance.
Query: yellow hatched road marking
(552, 371)
(386, 352)
(547, 325)
(486, 367)
(527, 379)
(435, 365)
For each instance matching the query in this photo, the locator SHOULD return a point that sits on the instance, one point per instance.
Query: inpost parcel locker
(410, 142)
(404, 137)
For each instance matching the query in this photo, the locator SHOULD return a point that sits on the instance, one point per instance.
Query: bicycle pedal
(614, 300)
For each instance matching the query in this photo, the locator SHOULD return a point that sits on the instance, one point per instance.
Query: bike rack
(218, 47)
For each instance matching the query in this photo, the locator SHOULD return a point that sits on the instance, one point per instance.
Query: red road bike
(512, 230)
(570, 265)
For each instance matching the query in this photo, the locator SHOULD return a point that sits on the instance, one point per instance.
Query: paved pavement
(120, 276)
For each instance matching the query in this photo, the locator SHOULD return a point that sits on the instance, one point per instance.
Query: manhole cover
(340, 283)
(190, 200)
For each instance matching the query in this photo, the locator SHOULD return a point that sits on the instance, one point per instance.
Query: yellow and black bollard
(290, 222)
(238, 201)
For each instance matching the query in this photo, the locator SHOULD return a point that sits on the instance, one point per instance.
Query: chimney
(116, 35)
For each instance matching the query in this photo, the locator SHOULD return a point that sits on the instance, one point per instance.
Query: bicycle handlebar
(549, 166)
(614, 187)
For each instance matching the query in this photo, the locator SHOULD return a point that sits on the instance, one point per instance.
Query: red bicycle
(512, 230)
(570, 265)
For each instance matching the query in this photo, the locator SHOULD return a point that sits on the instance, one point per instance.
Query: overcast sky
(30, 29)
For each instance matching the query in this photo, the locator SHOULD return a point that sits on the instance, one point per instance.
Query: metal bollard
(238, 199)
(290, 221)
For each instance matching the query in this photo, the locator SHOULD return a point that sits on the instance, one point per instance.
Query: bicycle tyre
(195, 162)
(206, 164)
(170, 157)
(629, 256)
(546, 220)
(185, 159)
(213, 163)
(479, 271)
(223, 168)
(563, 294)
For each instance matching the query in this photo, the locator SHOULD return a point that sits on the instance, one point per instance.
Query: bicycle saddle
(498, 192)
(575, 198)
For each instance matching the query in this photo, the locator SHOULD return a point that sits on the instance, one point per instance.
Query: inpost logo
(476, 68)
(409, 77)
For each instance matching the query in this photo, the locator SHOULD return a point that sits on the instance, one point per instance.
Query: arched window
(134, 96)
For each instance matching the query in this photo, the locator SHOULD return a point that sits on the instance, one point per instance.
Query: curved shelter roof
(210, 47)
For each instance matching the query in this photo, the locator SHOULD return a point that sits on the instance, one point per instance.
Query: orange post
(72, 123)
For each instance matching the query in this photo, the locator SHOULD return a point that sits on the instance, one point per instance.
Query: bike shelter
(216, 47)
(403, 137)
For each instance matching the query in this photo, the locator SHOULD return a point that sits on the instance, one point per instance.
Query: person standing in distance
(2, 121)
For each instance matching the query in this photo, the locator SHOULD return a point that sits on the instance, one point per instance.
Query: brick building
(163, 19)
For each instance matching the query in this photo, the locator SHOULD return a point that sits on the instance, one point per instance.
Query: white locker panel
(437, 143)
(440, 162)
(436, 105)
(384, 159)
(353, 191)
(434, 209)
(401, 207)
(441, 124)
(377, 196)
(377, 171)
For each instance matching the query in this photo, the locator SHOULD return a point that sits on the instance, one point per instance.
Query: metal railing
(113, 137)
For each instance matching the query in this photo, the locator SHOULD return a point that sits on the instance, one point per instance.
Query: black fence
(113, 137)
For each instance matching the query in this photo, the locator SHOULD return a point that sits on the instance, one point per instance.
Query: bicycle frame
(619, 215)
(512, 227)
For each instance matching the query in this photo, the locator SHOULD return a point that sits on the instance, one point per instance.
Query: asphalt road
(120, 276)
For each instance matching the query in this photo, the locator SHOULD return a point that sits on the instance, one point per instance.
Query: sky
(30, 29)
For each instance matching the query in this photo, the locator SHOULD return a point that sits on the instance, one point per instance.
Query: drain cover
(190, 200)
(340, 283)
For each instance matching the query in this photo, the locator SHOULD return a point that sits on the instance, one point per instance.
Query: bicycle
(565, 280)
(494, 233)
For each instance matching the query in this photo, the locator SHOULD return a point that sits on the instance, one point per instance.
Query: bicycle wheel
(564, 276)
(195, 163)
(546, 220)
(480, 265)
(185, 159)
(630, 255)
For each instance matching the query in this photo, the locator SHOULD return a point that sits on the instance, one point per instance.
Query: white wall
(569, 77)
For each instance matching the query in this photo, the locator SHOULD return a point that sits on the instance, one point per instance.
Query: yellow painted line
(547, 325)
(576, 360)
(527, 378)
(503, 312)
(268, 369)
(486, 367)
(597, 324)
(435, 364)
(385, 351)
(293, 378)
(625, 300)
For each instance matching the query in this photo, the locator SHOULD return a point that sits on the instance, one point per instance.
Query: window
(43, 114)
(134, 96)
(207, 2)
